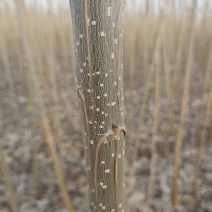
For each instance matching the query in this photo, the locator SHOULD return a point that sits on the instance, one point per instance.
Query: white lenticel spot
(109, 11)
(105, 95)
(102, 34)
(98, 97)
(97, 109)
(113, 155)
(91, 142)
(103, 162)
(107, 170)
(101, 85)
(93, 23)
(113, 103)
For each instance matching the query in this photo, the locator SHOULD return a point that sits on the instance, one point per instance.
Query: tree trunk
(97, 27)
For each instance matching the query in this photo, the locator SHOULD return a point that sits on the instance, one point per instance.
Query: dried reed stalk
(154, 131)
(40, 105)
(179, 138)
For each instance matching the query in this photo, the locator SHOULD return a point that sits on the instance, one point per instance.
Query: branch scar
(114, 133)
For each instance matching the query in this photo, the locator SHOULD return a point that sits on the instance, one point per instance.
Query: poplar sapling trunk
(97, 28)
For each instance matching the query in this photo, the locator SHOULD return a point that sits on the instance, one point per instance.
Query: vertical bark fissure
(118, 56)
(89, 53)
(81, 96)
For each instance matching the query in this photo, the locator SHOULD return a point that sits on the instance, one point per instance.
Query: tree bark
(97, 28)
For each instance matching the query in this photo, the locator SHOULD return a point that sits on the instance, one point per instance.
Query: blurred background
(168, 105)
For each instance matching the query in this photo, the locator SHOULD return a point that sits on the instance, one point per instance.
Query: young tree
(97, 27)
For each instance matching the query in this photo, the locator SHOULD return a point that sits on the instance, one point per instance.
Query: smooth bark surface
(97, 28)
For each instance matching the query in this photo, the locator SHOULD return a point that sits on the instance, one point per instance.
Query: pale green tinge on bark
(97, 28)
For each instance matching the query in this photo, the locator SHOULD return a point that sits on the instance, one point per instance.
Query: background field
(168, 104)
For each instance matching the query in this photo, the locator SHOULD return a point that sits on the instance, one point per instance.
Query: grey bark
(97, 28)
